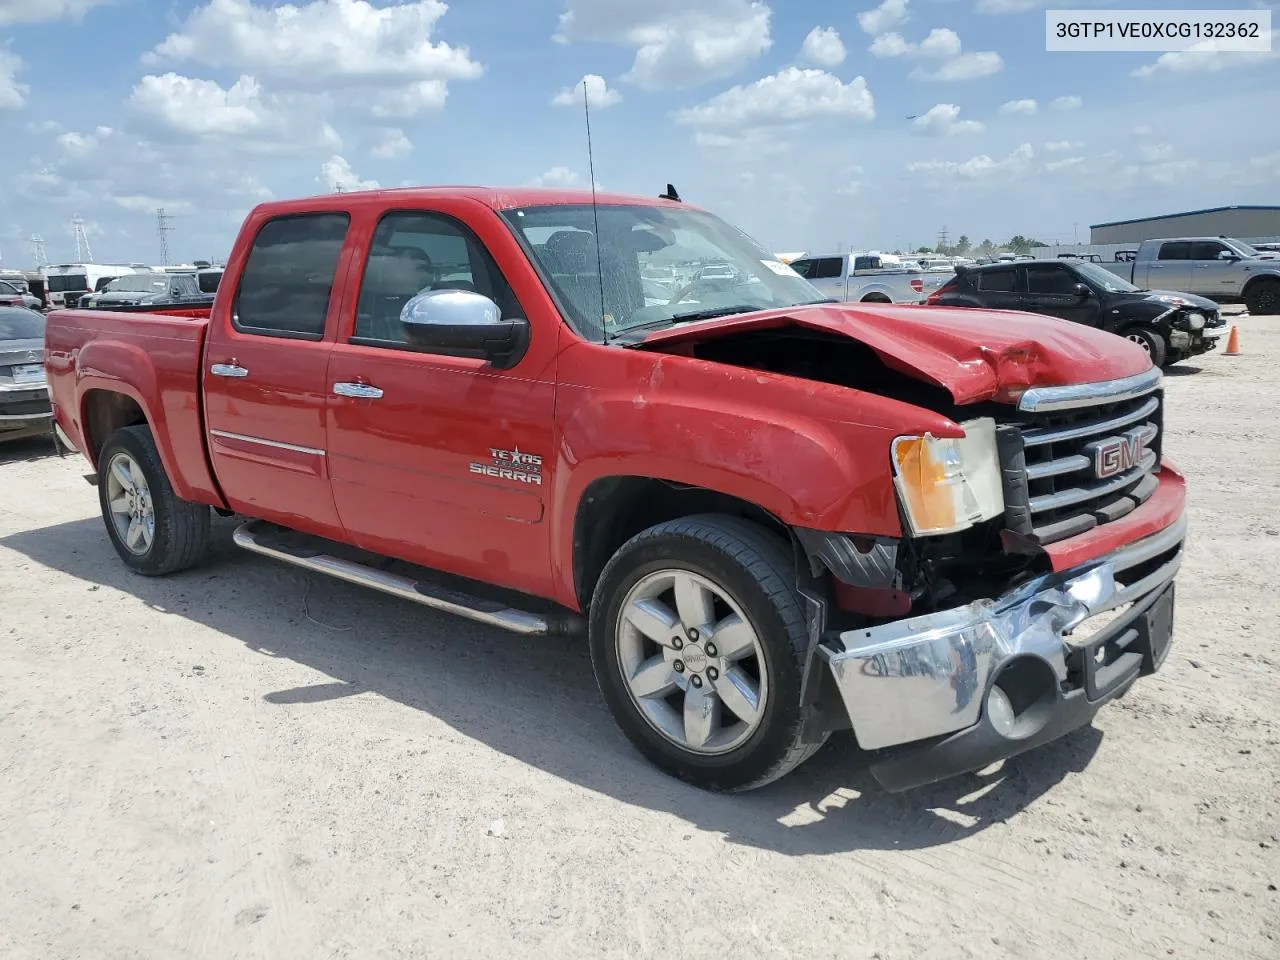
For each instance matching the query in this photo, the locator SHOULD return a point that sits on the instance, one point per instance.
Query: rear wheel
(1263, 298)
(153, 531)
(698, 642)
(1151, 342)
(876, 298)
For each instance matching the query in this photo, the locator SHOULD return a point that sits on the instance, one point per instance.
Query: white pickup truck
(1223, 269)
(869, 277)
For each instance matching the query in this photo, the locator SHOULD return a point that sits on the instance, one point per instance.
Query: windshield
(1242, 247)
(138, 283)
(20, 324)
(62, 282)
(1104, 278)
(717, 269)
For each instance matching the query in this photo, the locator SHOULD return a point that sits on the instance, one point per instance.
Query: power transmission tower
(37, 249)
(943, 238)
(163, 229)
(84, 253)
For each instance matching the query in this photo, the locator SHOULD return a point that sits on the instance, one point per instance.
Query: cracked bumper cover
(916, 690)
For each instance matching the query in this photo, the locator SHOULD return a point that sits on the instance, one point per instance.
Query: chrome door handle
(228, 370)
(362, 391)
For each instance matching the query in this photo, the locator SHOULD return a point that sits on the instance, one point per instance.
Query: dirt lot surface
(244, 761)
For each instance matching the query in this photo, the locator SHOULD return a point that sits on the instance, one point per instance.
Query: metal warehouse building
(1243, 223)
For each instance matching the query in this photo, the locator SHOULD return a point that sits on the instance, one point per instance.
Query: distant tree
(963, 246)
(923, 250)
(986, 248)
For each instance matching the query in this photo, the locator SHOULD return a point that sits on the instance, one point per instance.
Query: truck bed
(153, 359)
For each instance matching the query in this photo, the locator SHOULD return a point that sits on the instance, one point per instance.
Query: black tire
(1263, 298)
(756, 568)
(181, 528)
(1151, 342)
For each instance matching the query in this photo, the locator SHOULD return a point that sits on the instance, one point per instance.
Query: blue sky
(789, 119)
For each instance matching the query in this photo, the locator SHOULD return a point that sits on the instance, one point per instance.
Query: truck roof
(497, 198)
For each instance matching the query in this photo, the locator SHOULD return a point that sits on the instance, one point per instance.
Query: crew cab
(770, 516)
(1224, 269)
(868, 278)
(1168, 325)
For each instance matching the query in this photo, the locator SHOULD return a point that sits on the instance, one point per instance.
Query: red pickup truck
(772, 516)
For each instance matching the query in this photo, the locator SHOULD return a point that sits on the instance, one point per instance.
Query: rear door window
(288, 276)
(1177, 250)
(1003, 280)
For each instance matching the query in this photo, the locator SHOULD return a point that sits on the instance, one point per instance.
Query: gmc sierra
(771, 516)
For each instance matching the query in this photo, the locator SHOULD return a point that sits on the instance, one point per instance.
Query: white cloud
(1019, 108)
(336, 174)
(564, 179)
(967, 66)
(677, 43)
(1061, 146)
(975, 168)
(888, 14)
(344, 48)
(392, 144)
(142, 203)
(790, 96)
(940, 45)
(823, 48)
(1066, 163)
(1067, 103)
(1205, 57)
(36, 11)
(201, 107)
(13, 95)
(595, 89)
(944, 120)
(78, 146)
(1156, 152)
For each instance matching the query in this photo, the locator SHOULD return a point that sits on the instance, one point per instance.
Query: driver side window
(414, 253)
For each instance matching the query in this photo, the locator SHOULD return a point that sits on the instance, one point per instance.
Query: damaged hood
(973, 354)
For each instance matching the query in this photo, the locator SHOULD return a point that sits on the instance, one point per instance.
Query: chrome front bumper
(931, 676)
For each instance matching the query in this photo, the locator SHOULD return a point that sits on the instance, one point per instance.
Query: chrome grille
(1076, 457)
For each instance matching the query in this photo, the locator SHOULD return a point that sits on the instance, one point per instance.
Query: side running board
(309, 553)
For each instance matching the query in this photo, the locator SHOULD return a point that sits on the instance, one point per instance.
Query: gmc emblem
(1116, 455)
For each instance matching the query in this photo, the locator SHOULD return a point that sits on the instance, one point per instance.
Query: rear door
(1171, 270)
(828, 275)
(266, 362)
(440, 460)
(1212, 276)
(998, 287)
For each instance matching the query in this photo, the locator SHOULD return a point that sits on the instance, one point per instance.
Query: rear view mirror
(461, 323)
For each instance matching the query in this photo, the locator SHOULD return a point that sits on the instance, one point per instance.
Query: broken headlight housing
(949, 484)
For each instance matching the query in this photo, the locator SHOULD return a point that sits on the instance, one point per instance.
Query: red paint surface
(396, 473)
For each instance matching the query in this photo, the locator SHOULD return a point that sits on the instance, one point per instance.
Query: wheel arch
(613, 509)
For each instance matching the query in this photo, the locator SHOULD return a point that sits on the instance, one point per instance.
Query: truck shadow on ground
(536, 701)
(27, 450)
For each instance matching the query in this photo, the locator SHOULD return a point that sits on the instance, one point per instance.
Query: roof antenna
(595, 215)
(670, 194)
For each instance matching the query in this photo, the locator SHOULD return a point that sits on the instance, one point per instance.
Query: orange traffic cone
(1233, 343)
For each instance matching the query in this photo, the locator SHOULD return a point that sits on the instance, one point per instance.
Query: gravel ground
(244, 761)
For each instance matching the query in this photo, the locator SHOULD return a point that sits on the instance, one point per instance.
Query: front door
(439, 460)
(1051, 290)
(265, 385)
(1211, 276)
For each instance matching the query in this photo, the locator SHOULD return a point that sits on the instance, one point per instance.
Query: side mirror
(461, 323)
(1082, 291)
(1227, 255)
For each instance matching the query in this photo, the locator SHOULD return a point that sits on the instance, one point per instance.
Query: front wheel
(153, 531)
(1263, 298)
(1151, 342)
(698, 642)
